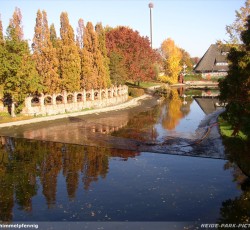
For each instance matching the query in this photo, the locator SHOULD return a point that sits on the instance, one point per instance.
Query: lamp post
(151, 5)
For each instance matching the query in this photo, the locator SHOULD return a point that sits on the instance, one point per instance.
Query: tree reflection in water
(175, 110)
(23, 163)
(237, 210)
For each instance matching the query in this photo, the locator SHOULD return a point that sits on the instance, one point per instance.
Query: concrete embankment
(131, 103)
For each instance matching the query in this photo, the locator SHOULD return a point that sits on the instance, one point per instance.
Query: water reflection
(24, 163)
(40, 178)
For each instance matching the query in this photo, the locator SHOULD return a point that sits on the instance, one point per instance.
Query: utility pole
(151, 5)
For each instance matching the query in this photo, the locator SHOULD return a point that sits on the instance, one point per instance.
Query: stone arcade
(72, 102)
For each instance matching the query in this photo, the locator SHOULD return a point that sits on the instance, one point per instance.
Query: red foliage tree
(139, 58)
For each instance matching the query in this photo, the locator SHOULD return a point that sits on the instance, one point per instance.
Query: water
(97, 169)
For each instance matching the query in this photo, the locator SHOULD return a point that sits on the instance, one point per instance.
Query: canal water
(162, 161)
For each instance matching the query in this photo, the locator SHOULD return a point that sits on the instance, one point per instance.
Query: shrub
(135, 92)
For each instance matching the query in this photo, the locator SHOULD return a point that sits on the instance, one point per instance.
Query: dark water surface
(131, 165)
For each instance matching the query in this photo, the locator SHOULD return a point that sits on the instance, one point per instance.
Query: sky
(193, 24)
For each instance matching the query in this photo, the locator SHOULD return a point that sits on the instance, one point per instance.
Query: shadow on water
(104, 168)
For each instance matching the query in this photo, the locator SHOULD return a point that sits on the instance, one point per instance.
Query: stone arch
(79, 97)
(35, 101)
(109, 93)
(96, 95)
(104, 95)
(88, 96)
(70, 98)
(59, 99)
(47, 100)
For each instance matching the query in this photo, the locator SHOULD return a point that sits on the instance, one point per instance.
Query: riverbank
(129, 104)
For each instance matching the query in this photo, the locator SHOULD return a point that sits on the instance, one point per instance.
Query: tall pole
(151, 5)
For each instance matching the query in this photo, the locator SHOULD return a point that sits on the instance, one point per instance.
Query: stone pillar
(65, 97)
(112, 91)
(115, 91)
(53, 99)
(42, 100)
(28, 102)
(92, 96)
(75, 97)
(100, 94)
(107, 93)
(84, 95)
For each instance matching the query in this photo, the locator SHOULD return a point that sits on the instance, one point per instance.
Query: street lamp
(151, 5)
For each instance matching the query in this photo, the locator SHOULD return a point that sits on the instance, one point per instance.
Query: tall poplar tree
(53, 36)
(45, 55)
(2, 59)
(80, 45)
(21, 77)
(1, 32)
(101, 35)
(93, 62)
(69, 59)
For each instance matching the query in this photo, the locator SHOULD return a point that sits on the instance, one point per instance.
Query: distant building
(214, 62)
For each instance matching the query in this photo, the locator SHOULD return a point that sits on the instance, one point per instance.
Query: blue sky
(192, 24)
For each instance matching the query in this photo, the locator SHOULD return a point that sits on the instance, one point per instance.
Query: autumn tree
(80, 45)
(186, 60)
(101, 36)
(172, 60)
(94, 71)
(135, 50)
(21, 77)
(234, 30)
(69, 59)
(45, 55)
(53, 35)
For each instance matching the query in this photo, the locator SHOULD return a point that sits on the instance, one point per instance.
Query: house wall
(72, 102)
(209, 75)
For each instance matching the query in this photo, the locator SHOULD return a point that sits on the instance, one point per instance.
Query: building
(214, 62)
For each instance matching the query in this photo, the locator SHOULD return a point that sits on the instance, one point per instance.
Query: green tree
(45, 55)
(2, 56)
(118, 72)
(69, 59)
(186, 60)
(20, 77)
(1, 32)
(235, 88)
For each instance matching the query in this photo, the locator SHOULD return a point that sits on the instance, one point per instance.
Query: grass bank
(237, 147)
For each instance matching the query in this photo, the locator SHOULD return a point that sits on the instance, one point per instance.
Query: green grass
(193, 77)
(5, 117)
(144, 85)
(226, 130)
(149, 84)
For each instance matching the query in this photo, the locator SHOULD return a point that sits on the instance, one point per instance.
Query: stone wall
(72, 102)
